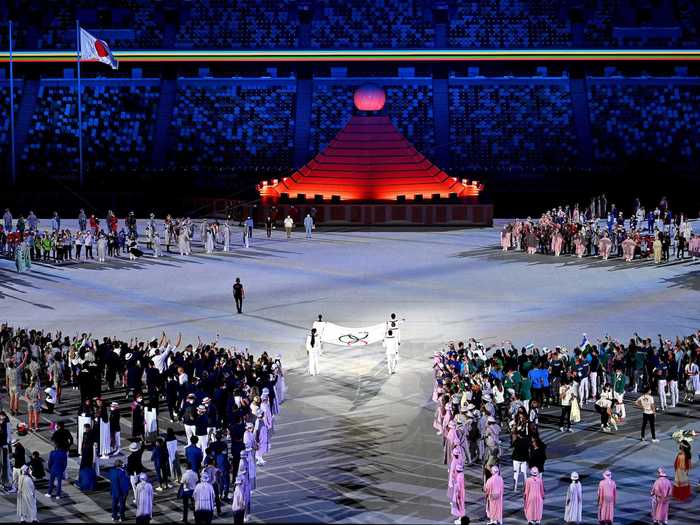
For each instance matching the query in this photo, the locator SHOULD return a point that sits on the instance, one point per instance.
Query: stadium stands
(386, 24)
(261, 24)
(514, 117)
(494, 24)
(410, 108)
(511, 125)
(19, 31)
(331, 109)
(123, 23)
(275, 24)
(409, 105)
(689, 16)
(495, 124)
(118, 124)
(5, 110)
(646, 121)
(232, 124)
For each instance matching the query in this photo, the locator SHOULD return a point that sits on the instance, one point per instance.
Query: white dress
(313, 351)
(572, 511)
(693, 373)
(150, 416)
(26, 499)
(172, 450)
(280, 385)
(226, 232)
(156, 244)
(182, 241)
(210, 242)
(101, 249)
(144, 499)
(105, 439)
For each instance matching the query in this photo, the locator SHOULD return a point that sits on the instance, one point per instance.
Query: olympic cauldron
(370, 174)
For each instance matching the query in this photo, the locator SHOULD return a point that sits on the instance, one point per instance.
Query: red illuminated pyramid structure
(369, 160)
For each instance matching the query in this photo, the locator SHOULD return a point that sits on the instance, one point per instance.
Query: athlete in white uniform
(313, 347)
(391, 345)
(319, 325)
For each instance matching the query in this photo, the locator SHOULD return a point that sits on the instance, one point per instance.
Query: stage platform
(409, 214)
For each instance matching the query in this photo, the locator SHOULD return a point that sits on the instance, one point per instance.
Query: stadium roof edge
(373, 55)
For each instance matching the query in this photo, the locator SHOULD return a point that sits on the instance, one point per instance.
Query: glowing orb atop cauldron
(369, 98)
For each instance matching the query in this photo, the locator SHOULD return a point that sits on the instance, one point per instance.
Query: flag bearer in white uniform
(391, 345)
(313, 347)
(319, 325)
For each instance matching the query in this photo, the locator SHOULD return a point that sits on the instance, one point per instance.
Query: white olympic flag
(345, 336)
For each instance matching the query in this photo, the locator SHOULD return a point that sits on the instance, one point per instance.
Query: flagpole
(12, 109)
(80, 107)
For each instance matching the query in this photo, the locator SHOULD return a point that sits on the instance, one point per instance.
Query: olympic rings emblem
(352, 339)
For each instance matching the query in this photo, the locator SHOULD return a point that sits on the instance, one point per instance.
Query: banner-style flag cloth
(585, 342)
(344, 336)
(95, 50)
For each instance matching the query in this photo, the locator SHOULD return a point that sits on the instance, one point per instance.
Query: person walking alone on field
(238, 295)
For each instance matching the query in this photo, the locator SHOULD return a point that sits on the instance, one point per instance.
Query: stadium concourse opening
(370, 174)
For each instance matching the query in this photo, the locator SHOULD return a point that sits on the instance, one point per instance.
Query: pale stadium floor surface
(353, 444)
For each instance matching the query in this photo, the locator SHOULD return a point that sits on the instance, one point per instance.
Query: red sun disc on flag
(101, 49)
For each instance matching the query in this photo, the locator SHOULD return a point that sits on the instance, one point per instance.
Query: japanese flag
(94, 50)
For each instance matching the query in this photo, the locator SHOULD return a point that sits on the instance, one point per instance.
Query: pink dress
(604, 245)
(694, 247)
(446, 420)
(517, 230)
(661, 497)
(580, 247)
(457, 500)
(494, 498)
(452, 476)
(439, 414)
(557, 241)
(436, 394)
(505, 240)
(607, 496)
(450, 441)
(534, 498)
